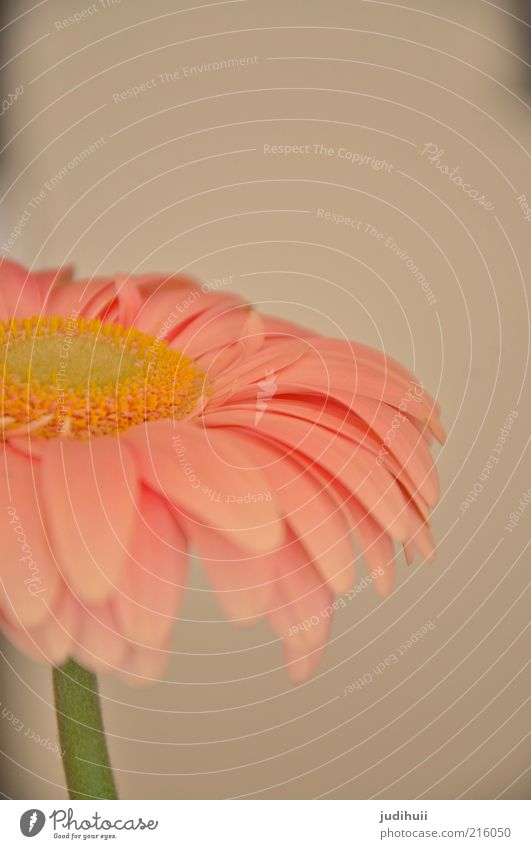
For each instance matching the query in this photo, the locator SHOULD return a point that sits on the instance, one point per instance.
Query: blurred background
(141, 137)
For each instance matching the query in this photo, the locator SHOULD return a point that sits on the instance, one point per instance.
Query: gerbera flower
(142, 416)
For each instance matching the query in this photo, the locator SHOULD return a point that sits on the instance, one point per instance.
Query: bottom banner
(266, 824)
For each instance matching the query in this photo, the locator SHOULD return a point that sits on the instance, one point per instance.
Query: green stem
(84, 749)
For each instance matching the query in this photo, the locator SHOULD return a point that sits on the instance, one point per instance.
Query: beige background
(182, 182)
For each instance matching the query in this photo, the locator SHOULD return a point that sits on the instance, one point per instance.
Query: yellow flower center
(72, 377)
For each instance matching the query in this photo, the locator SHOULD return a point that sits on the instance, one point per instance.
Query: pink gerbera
(142, 416)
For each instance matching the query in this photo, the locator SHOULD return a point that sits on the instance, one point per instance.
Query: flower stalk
(86, 760)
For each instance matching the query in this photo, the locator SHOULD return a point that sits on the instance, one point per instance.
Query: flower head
(141, 416)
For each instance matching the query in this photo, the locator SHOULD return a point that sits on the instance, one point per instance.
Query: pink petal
(312, 514)
(90, 491)
(371, 483)
(100, 645)
(215, 355)
(143, 667)
(210, 477)
(302, 614)
(21, 293)
(29, 579)
(171, 306)
(273, 357)
(154, 577)
(89, 298)
(56, 637)
(376, 547)
(301, 665)
(406, 457)
(220, 325)
(244, 583)
(347, 371)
